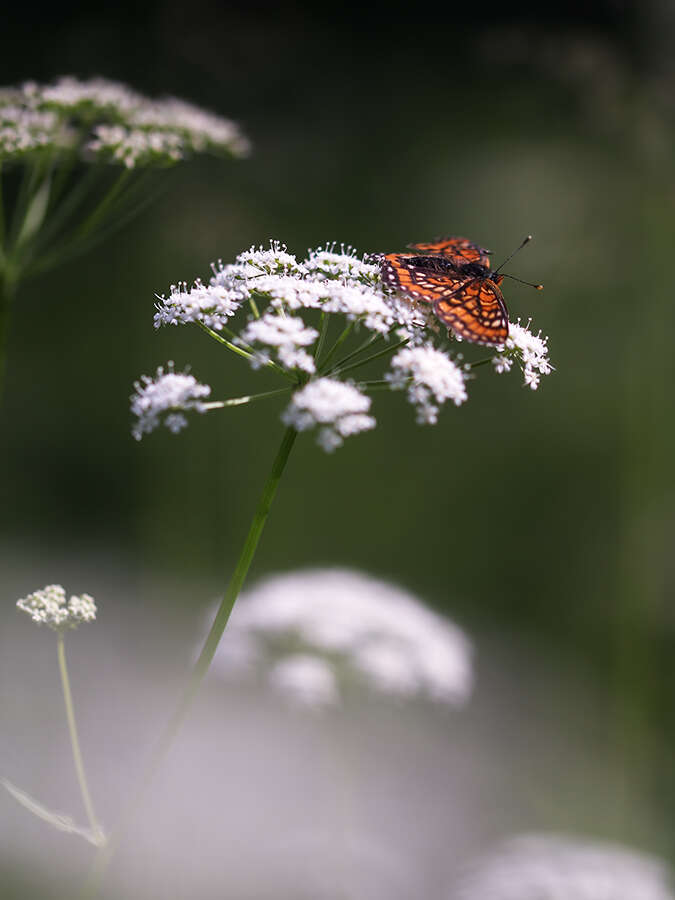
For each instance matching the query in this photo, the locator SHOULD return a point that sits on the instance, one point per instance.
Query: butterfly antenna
(539, 287)
(526, 241)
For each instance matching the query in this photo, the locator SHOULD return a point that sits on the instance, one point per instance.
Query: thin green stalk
(74, 740)
(481, 362)
(63, 211)
(325, 322)
(379, 385)
(201, 667)
(94, 217)
(241, 351)
(336, 346)
(31, 174)
(368, 359)
(240, 401)
(372, 339)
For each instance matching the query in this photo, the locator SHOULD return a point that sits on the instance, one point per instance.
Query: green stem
(336, 346)
(96, 215)
(240, 401)
(241, 351)
(201, 667)
(325, 321)
(74, 741)
(368, 359)
(481, 362)
(373, 339)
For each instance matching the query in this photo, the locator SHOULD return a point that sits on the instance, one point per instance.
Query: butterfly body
(454, 276)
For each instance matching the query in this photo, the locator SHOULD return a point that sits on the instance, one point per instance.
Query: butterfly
(453, 275)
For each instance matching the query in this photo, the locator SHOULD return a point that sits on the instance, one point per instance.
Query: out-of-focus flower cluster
(312, 632)
(49, 606)
(556, 867)
(319, 319)
(163, 398)
(104, 120)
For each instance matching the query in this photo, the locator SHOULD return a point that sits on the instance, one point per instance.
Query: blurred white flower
(307, 680)
(132, 146)
(169, 393)
(23, 129)
(49, 606)
(338, 408)
(429, 374)
(308, 630)
(111, 122)
(287, 335)
(556, 867)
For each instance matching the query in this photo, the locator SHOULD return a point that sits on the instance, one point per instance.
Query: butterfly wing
(476, 312)
(406, 272)
(457, 249)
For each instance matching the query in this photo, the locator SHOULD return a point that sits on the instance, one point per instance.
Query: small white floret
(49, 606)
(431, 378)
(164, 398)
(339, 409)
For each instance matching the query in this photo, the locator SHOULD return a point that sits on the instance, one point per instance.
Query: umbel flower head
(557, 867)
(105, 120)
(310, 632)
(318, 321)
(50, 607)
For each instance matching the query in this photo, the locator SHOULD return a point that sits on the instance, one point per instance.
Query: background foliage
(545, 518)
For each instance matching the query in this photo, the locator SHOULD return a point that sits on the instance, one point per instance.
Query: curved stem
(336, 346)
(368, 359)
(241, 401)
(74, 740)
(201, 667)
(372, 339)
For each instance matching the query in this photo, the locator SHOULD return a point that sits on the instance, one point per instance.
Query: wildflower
(169, 393)
(553, 867)
(529, 350)
(267, 303)
(48, 606)
(339, 409)
(211, 304)
(428, 373)
(305, 679)
(316, 627)
(288, 335)
(110, 122)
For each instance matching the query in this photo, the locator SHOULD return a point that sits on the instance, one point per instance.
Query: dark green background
(544, 517)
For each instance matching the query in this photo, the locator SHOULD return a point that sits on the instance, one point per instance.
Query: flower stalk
(96, 829)
(201, 667)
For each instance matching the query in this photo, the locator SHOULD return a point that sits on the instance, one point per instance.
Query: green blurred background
(377, 127)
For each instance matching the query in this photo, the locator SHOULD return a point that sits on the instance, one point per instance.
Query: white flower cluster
(429, 375)
(49, 607)
(309, 632)
(338, 408)
(278, 294)
(288, 334)
(169, 394)
(23, 129)
(529, 350)
(112, 122)
(555, 867)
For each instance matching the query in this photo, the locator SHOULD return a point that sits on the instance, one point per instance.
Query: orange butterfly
(453, 274)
